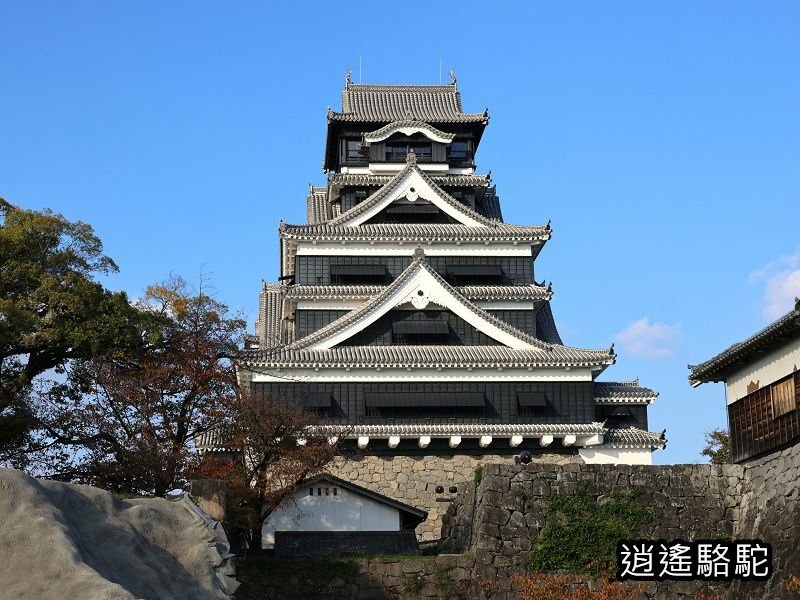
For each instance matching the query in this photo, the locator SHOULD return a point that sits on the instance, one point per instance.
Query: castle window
(397, 151)
(354, 152)
(459, 151)
(783, 397)
(532, 404)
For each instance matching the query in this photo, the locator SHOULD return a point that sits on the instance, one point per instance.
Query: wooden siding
(315, 270)
(569, 402)
(638, 416)
(524, 320)
(754, 427)
(308, 321)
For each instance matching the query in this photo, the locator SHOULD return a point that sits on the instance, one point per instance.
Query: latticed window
(783, 397)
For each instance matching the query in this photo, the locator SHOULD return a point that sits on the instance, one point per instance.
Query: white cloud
(781, 279)
(648, 340)
(781, 290)
(787, 262)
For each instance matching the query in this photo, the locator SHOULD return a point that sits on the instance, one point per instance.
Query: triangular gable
(411, 184)
(420, 286)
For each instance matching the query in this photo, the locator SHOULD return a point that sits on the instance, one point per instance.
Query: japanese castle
(408, 309)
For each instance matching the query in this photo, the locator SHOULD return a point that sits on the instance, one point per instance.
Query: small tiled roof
(268, 322)
(383, 132)
(624, 392)
(416, 232)
(385, 103)
(317, 207)
(367, 180)
(632, 437)
(774, 334)
(546, 326)
(472, 292)
(489, 205)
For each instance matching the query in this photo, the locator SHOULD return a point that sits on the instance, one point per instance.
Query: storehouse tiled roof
(385, 103)
(363, 292)
(716, 368)
(623, 392)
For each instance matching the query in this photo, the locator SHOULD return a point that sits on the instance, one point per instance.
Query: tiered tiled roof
(414, 233)
(535, 353)
(622, 392)
(628, 437)
(385, 103)
(358, 179)
(472, 292)
(426, 357)
(773, 335)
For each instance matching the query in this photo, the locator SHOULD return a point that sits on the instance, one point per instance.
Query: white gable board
(344, 511)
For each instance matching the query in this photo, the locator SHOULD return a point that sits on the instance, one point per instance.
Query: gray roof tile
(631, 437)
(629, 392)
(386, 103)
(472, 292)
(416, 232)
(714, 369)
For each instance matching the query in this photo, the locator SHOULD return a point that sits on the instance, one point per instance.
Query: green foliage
(53, 311)
(718, 446)
(478, 475)
(582, 532)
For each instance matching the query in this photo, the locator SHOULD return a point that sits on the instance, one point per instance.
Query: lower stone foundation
(414, 479)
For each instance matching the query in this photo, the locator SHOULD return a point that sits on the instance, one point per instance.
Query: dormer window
(397, 151)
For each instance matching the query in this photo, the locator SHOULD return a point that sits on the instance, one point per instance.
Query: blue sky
(661, 138)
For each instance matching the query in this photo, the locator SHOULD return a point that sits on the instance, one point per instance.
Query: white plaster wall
(766, 370)
(347, 511)
(613, 456)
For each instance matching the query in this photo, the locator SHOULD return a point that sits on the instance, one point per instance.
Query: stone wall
(497, 519)
(770, 511)
(413, 479)
(382, 578)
